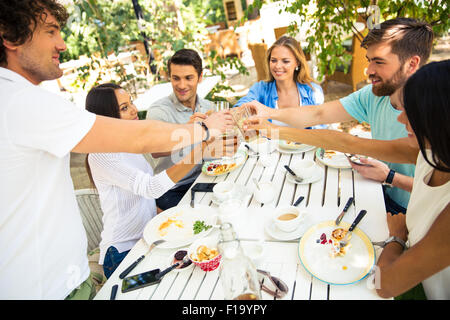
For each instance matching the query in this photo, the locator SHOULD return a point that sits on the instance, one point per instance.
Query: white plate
(239, 159)
(273, 231)
(354, 266)
(318, 175)
(339, 160)
(304, 148)
(179, 236)
(170, 262)
(240, 192)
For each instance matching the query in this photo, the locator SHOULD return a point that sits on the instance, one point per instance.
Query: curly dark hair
(19, 18)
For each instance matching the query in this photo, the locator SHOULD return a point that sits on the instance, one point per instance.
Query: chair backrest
(279, 32)
(91, 214)
(259, 51)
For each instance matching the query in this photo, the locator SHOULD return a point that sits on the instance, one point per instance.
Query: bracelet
(206, 129)
(395, 239)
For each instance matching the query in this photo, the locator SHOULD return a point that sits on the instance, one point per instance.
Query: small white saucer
(273, 231)
(240, 192)
(318, 175)
(170, 262)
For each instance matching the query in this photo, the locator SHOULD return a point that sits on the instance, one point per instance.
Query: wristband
(389, 178)
(206, 129)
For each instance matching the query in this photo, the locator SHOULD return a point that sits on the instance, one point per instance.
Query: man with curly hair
(44, 245)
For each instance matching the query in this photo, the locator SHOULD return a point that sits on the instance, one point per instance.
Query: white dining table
(161, 90)
(323, 200)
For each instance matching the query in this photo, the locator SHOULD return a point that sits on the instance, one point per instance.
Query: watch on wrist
(395, 239)
(206, 129)
(389, 178)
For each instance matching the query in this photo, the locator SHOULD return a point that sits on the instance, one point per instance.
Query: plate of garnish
(180, 225)
(322, 256)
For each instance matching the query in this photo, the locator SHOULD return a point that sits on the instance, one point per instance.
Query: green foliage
(97, 28)
(334, 21)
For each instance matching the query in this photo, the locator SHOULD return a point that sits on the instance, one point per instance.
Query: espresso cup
(304, 168)
(288, 219)
(223, 190)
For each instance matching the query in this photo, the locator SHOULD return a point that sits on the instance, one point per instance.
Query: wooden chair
(91, 215)
(279, 32)
(357, 69)
(259, 51)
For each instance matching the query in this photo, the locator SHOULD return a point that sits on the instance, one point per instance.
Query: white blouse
(127, 189)
(425, 205)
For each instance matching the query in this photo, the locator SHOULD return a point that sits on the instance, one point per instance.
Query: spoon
(134, 264)
(164, 272)
(256, 183)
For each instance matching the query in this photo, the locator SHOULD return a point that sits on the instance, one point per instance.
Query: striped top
(127, 189)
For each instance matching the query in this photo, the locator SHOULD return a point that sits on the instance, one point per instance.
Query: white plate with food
(322, 257)
(334, 159)
(225, 165)
(291, 147)
(180, 225)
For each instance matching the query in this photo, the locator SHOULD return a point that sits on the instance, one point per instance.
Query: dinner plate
(318, 175)
(336, 160)
(273, 231)
(238, 160)
(303, 148)
(179, 231)
(315, 257)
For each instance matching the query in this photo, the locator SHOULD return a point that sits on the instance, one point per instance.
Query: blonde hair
(302, 75)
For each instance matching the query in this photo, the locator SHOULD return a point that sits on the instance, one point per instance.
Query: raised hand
(219, 122)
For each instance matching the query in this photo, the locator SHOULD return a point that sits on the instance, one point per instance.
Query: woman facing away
(290, 83)
(125, 182)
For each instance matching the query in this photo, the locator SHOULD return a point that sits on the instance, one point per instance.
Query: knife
(347, 205)
(300, 199)
(296, 178)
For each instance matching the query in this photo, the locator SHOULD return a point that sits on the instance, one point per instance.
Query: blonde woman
(290, 83)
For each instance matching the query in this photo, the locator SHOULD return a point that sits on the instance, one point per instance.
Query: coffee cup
(288, 219)
(223, 190)
(304, 168)
(264, 192)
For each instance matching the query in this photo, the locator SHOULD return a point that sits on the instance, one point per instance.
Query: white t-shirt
(425, 205)
(127, 189)
(42, 238)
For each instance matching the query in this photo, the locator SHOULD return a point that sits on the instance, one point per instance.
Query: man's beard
(388, 87)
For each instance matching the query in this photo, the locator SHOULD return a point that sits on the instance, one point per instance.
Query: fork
(296, 178)
(346, 238)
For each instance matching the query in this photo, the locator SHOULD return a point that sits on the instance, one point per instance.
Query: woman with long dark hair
(426, 226)
(125, 182)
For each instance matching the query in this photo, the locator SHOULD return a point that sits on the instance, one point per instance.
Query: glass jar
(238, 276)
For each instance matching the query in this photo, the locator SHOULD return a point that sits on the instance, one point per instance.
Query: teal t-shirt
(363, 105)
